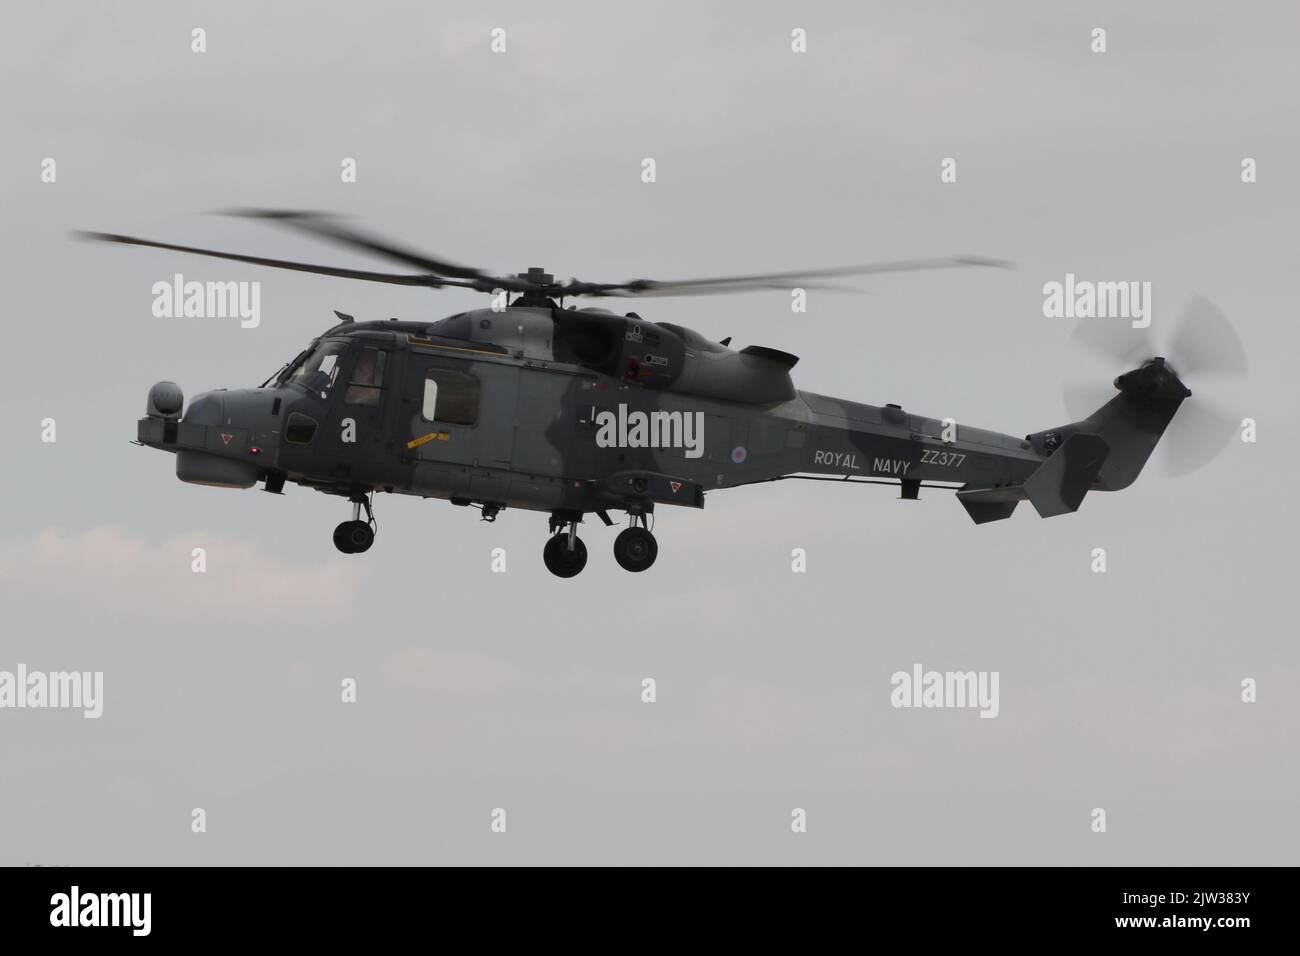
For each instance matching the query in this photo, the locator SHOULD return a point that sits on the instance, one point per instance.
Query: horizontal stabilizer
(990, 504)
(1059, 484)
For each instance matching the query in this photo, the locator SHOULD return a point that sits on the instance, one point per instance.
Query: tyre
(353, 537)
(561, 561)
(635, 549)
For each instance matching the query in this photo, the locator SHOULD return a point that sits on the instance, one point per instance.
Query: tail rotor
(1202, 349)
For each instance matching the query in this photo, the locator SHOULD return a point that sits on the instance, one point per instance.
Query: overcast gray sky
(479, 690)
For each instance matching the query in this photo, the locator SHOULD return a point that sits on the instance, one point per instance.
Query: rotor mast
(538, 279)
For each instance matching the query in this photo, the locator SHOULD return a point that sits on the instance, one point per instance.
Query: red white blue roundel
(738, 454)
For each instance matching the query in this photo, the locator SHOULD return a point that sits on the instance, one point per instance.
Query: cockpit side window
(367, 380)
(319, 370)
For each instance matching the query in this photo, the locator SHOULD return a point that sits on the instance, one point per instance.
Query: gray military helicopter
(578, 411)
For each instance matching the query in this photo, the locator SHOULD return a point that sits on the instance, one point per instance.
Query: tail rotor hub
(1155, 380)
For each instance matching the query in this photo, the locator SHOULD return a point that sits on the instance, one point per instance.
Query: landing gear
(563, 559)
(635, 548)
(353, 537)
(356, 536)
(565, 555)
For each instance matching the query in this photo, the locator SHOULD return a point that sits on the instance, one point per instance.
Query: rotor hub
(537, 276)
(1155, 380)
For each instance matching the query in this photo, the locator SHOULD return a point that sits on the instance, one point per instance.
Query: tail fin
(1059, 484)
(1130, 424)
(1104, 452)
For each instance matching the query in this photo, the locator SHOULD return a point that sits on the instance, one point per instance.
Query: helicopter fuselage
(573, 411)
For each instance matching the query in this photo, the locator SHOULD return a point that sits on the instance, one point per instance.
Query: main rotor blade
(768, 280)
(438, 272)
(325, 226)
(429, 281)
(1206, 344)
(577, 289)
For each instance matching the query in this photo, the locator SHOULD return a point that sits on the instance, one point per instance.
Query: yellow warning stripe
(424, 439)
(427, 344)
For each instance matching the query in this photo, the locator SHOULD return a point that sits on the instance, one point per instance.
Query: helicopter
(572, 411)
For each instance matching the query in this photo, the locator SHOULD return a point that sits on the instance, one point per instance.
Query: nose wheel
(356, 536)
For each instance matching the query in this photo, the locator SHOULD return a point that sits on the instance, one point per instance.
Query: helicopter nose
(225, 448)
(240, 422)
(206, 408)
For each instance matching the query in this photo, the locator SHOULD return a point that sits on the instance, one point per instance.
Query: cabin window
(367, 380)
(450, 397)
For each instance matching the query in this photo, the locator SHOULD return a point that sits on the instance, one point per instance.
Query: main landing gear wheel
(353, 537)
(356, 536)
(635, 549)
(562, 560)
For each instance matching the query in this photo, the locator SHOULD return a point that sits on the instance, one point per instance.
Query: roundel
(738, 454)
